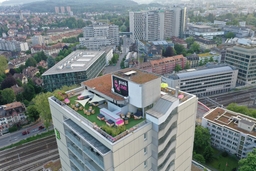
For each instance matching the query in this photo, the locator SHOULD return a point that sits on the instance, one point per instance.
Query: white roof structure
(82, 102)
(96, 99)
(86, 93)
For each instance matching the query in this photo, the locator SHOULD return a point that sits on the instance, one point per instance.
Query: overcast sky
(143, 1)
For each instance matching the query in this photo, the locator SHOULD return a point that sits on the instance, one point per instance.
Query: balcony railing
(78, 165)
(90, 166)
(94, 157)
(75, 152)
(74, 140)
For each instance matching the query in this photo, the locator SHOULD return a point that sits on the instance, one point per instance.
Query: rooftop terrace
(228, 119)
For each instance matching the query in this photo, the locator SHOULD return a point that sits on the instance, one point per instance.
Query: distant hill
(18, 2)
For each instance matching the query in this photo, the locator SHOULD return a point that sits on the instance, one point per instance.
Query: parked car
(25, 132)
(40, 127)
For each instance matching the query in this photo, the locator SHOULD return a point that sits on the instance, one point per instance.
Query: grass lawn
(93, 117)
(219, 162)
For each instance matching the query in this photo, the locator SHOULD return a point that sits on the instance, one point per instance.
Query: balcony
(74, 139)
(75, 152)
(76, 163)
(94, 157)
(90, 166)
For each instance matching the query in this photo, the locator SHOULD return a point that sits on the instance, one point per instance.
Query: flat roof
(201, 72)
(103, 85)
(140, 77)
(224, 117)
(79, 60)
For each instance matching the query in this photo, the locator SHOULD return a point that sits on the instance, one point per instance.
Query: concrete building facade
(244, 58)
(13, 45)
(73, 69)
(212, 79)
(162, 139)
(37, 40)
(232, 132)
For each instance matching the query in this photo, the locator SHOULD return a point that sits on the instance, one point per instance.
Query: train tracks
(29, 156)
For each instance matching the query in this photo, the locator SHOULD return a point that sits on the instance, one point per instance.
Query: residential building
(37, 40)
(214, 56)
(176, 40)
(48, 50)
(62, 10)
(21, 77)
(157, 24)
(205, 43)
(10, 114)
(15, 63)
(158, 137)
(30, 71)
(96, 36)
(204, 81)
(239, 31)
(57, 10)
(165, 65)
(13, 45)
(232, 132)
(76, 67)
(68, 9)
(244, 58)
(193, 60)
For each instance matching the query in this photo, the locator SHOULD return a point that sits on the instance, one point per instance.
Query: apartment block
(231, 131)
(157, 24)
(57, 10)
(204, 81)
(96, 36)
(158, 124)
(62, 9)
(77, 67)
(244, 58)
(37, 40)
(13, 45)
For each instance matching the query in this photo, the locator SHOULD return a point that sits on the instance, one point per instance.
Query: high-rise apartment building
(158, 25)
(157, 129)
(57, 10)
(13, 45)
(99, 35)
(231, 131)
(68, 9)
(62, 10)
(244, 58)
(37, 40)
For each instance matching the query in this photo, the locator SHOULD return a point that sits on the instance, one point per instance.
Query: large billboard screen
(120, 86)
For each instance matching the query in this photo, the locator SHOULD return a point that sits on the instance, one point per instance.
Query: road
(10, 138)
(125, 48)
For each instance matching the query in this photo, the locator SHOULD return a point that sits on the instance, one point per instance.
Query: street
(10, 138)
(125, 50)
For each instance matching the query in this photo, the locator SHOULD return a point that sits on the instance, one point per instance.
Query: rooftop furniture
(120, 122)
(110, 123)
(122, 116)
(101, 117)
(126, 121)
(66, 101)
(128, 115)
(93, 111)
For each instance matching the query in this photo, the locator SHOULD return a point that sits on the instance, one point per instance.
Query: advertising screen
(120, 86)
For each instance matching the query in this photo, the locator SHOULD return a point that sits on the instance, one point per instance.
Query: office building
(204, 30)
(244, 58)
(157, 25)
(37, 40)
(96, 36)
(232, 132)
(57, 10)
(204, 81)
(157, 134)
(78, 66)
(13, 45)
(62, 10)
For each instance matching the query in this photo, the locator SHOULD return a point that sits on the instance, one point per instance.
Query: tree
(202, 138)
(30, 62)
(8, 82)
(7, 96)
(248, 163)
(32, 113)
(3, 65)
(169, 52)
(180, 49)
(42, 106)
(177, 68)
(201, 63)
(206, 60)
(190, 41)
(211, 59)
(230, 35)
(12, 71)
(208, 153)
(187, 65)
(29, 92)
(199, 158)
(195, 47)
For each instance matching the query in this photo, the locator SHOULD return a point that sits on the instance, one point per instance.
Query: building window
(145, 136)
(145, 164)
(145, 150)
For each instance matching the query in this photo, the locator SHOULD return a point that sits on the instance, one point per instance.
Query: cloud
(143, 1)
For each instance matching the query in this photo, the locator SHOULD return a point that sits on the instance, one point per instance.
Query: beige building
(158, 126)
